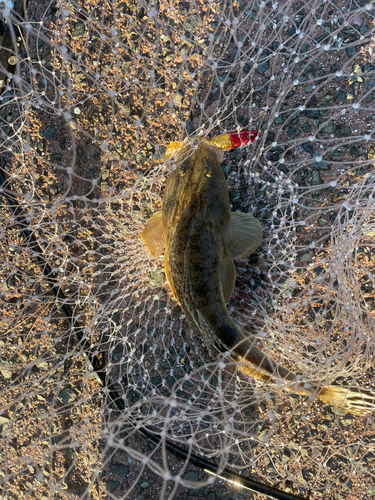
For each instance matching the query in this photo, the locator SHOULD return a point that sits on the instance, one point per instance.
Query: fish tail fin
(350, 399)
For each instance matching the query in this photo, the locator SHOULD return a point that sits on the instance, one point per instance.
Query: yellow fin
(228, 277)
(154, 235)
(254, 371)
(243, 235)
(169, 278)
(350, 399)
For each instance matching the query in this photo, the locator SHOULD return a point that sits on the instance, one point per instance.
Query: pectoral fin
(228, 277)
(154, 235)
(242, 236)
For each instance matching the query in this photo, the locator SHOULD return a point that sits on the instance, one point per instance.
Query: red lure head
(242, 138)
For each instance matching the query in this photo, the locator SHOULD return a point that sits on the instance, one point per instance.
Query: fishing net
(92, 93)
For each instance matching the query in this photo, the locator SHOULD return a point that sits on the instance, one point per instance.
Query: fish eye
(208, 172)
(183, 169)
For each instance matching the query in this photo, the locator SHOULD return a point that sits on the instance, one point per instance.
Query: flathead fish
(200, 238)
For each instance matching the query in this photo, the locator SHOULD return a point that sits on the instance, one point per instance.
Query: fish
(201, 237)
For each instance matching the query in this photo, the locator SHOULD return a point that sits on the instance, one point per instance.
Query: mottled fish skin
(196, 211)
(200, 237)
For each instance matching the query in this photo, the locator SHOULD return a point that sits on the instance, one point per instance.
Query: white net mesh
(98, 91)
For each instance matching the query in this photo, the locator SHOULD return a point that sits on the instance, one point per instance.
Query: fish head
(197, 184)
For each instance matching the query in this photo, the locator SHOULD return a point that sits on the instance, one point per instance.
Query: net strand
(97, 366)
(96, 94)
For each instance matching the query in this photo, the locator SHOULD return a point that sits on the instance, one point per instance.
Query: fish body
(198, 256)
(200, 238)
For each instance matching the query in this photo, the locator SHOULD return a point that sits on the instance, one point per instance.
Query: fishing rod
(98, 366)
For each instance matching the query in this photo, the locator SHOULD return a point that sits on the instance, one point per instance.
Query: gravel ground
(83, 138)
